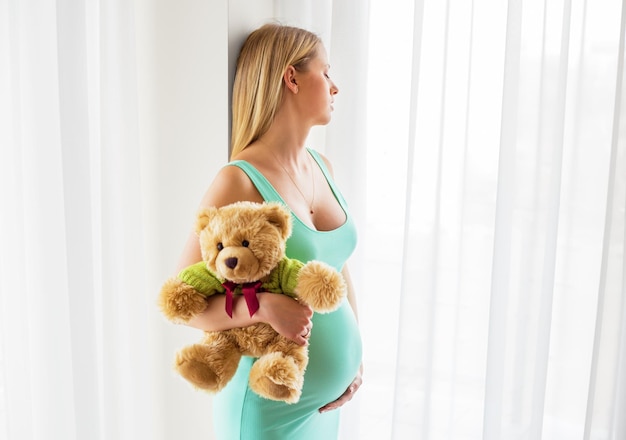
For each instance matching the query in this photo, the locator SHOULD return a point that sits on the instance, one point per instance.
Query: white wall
(182, 51)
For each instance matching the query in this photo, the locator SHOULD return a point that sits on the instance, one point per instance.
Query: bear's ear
(279, 216)
(205, 215)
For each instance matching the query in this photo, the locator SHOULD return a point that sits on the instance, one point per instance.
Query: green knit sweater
(282, 279)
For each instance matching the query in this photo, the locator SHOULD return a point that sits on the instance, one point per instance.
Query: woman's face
(316, 91)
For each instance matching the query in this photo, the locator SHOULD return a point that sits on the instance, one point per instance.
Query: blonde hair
(258, 85)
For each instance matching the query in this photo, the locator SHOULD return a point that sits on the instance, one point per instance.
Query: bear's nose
(231, 262)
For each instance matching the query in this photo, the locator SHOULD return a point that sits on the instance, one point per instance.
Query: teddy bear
(243, 252)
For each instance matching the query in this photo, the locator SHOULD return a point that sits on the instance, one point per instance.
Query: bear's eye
(220, 246)
(245, 243)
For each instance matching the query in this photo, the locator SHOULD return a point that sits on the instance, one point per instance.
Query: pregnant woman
(282, 88)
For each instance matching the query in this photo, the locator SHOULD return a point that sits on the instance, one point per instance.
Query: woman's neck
(287, 142)
(288, 132)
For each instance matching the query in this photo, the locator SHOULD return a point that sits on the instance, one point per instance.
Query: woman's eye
(220, 246)
(245, 243)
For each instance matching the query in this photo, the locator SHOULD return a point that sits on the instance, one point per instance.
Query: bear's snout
(238, 264)
(231, 262)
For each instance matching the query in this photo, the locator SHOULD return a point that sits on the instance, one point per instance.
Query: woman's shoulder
(231, 184)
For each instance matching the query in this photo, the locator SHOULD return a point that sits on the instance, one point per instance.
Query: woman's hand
(347, 395)
(287, 316)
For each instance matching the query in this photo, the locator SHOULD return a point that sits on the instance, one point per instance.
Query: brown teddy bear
(243, 252)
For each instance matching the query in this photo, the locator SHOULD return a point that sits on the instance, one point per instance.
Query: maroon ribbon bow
(249, 291)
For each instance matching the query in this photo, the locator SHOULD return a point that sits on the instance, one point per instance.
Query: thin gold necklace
(294, 182)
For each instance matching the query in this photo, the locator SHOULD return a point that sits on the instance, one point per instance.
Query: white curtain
(496, 195)
(74, 327)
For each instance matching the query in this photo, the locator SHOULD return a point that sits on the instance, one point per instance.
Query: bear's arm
(284, 277)
(200, 278)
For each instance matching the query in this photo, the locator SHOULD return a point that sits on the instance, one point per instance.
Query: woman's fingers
(347, 395)
(288, 317)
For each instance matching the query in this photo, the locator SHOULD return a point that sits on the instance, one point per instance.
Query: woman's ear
(289, 78)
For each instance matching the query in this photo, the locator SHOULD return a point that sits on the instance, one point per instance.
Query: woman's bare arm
(287, 316)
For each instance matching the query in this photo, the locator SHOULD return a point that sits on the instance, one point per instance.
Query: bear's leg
(279, 374)
(210, 365)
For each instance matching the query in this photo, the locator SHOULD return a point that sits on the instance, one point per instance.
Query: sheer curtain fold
(73, 311)
(77, 206)
(408, 407)
(607, 388)
(39, 233)
(501, 298)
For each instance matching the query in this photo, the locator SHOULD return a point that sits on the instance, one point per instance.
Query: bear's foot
(207, 368)
(277, 377)
(198, 373)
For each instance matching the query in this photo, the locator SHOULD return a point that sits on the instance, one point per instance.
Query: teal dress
(334, 346)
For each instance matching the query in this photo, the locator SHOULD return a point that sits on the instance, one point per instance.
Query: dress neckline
(318, 160)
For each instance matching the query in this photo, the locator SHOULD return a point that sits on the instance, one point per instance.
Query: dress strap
(263, 185)
(329, 178)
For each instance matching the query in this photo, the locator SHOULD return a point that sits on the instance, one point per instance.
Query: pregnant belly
(335, 352)
(334, 359)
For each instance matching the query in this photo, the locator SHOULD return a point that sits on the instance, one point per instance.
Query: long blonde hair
(258, 85)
